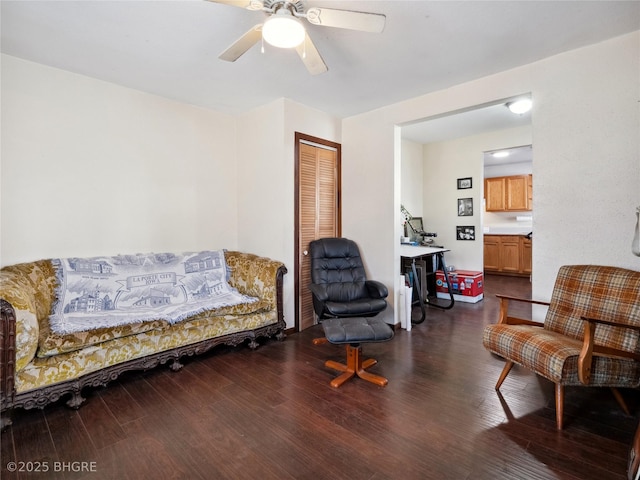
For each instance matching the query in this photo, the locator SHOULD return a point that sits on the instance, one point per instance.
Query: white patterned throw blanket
(110, 291)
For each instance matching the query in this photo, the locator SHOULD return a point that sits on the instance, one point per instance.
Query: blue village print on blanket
(109, 291)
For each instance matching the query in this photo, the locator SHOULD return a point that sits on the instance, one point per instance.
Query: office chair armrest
(376, 289)
(589, 347)
(504, 307)
(319, 292)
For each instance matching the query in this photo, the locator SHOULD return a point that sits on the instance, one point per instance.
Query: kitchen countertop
(522, 229)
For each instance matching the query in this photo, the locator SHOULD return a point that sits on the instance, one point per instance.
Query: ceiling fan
(283, 28)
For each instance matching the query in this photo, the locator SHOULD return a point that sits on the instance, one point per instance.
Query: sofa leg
(176, 365)
(5, 420)
(76, 400)
(253, 344)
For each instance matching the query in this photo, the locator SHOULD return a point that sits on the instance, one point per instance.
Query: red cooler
(466, 285)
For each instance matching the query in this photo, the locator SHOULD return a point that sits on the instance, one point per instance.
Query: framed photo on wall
(465, 207)
(467, 232)
(464, 183)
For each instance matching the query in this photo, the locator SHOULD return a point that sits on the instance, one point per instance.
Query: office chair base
(355, 366)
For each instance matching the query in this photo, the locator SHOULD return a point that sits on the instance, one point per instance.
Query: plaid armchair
(590, 335)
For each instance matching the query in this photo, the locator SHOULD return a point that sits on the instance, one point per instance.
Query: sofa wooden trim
(41, 397)
(7, 354)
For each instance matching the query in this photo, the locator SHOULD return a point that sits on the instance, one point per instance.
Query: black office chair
(338, 282)
(342, 296)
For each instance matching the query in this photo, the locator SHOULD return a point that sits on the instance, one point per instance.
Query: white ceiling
(170, 48)
(472, 121)
(517, 154)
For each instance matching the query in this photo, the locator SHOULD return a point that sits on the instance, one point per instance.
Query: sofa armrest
(256, 276)
(504, 311)
(29, 289)
(30, 286)
(589, 347)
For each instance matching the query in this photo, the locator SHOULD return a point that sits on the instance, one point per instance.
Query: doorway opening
(508, 211)
(443, 172)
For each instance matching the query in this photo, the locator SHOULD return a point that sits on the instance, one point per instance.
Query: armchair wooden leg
(505, 371)
(559, 405)
(620, 400)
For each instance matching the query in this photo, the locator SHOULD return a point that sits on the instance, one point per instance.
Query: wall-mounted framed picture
(466, 232)
(464, 183)
(465, 207)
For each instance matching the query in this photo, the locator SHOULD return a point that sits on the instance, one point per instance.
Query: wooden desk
(415, 252)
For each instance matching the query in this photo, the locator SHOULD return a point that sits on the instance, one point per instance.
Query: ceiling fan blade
(248, 4)
(329, 17)
(244, 43)
(311, 57)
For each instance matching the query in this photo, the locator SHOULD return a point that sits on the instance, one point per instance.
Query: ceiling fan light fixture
(283, 30)
(520, 106)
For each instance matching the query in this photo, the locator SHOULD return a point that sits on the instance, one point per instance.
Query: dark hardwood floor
(271, 414)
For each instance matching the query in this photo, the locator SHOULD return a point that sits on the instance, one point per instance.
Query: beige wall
(585, 125)
(444, 163)
(91, 168)
(266, 145)
(411, 181)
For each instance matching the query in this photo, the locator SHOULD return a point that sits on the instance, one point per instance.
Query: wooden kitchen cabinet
(492, 253)
(510, 254)
(526, 259)
(508, 194)
(507, 255)
(494, 194)
(516, 193)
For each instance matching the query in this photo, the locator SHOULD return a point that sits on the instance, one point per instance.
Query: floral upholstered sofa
(39, 363)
